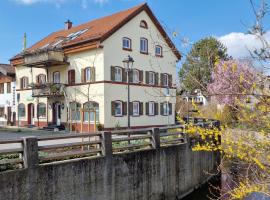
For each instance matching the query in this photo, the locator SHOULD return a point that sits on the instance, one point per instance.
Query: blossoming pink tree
(232, 80)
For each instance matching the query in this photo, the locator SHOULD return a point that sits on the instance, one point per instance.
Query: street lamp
(128, 63)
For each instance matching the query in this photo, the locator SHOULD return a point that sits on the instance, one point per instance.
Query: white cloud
(239, 44)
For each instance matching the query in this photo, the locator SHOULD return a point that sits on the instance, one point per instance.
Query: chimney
(68, 25)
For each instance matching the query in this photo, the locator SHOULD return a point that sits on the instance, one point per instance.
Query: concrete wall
(167, 173)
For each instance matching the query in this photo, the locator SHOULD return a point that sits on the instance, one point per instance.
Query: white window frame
(56, 79)
(118, 74)
(88, 74)
(126, 43)
(120, 103)
(151, 108)
(136, 108)
(143, 45)
(166, 108)
(152, 78)
(24, 83)
(160, 50)
(166, 80)
(136, 76)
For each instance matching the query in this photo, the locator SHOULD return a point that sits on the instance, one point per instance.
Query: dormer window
(143, 24)
(126, 43)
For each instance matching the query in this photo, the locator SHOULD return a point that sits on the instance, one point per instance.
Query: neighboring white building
(196, 97)
(7, 95)
(81, 67)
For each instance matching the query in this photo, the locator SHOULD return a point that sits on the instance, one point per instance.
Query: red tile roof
(99, 30)
(7, 69)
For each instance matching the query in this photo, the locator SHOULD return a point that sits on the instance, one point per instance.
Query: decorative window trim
(24, 82)
(144, 39)
(143, 24)
(130, 44)
(161, 51)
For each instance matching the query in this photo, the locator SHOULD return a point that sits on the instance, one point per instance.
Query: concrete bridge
(150, 164)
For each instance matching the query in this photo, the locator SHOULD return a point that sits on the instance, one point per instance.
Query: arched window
(41, 110)
(91, 106)
(24, 82)
(41, 78)
(21, 110)
(143, 24)
(71, 77)
(56, 77)
(75, 113)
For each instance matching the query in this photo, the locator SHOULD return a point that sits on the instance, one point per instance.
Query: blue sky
(192, 19)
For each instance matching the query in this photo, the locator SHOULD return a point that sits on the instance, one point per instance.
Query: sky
(192, 20)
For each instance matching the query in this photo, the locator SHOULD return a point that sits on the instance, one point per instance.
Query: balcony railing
(48, 89)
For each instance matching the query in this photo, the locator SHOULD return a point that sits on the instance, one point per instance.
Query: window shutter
(170, 108)
(124, 108)
(162, 79)
(156, 78)
(147, 108)
(130, 76)
(27, 82)
(170, 80)
(113, 108)
(37, 79)
(161, 109)
(112, 73)
(72, 74)
(141, 76)
(130, 108)
(82, 75)
(147, 77)
(93, 74)
(124, 75)
(141, 108)
(156, 108)
(21, 83)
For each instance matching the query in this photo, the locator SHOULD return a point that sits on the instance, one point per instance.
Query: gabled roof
(98, 30)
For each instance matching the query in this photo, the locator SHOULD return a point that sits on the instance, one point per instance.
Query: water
(206, 191)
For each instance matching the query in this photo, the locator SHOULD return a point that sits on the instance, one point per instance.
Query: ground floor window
(41, 110)
(91, 106)
(21, 110)
(118, 108)
(75, 113)
(2, 111)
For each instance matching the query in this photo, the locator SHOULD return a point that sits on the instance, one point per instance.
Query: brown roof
(99, 30)
(7, 69)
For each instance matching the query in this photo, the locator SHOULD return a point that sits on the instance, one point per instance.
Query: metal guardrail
(33, 151)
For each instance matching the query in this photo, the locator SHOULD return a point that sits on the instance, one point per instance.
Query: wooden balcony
(44, 59)
(48, 90)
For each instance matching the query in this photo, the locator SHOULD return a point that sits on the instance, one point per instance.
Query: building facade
(75, 77)
(7, 95)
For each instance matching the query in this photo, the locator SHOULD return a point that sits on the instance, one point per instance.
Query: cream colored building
(83, 64)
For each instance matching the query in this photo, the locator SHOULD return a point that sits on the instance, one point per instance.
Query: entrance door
(56, 114)
(30, 115)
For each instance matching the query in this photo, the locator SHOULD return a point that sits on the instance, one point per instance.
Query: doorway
(56, 113)
(31, 113)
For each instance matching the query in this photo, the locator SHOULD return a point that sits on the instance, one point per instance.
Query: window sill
(135, 115)
(159, 56)
(145, 53)
(126, 49)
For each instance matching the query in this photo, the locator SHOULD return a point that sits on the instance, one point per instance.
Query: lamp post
(128, 63)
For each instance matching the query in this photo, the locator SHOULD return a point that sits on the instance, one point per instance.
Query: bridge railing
(32, 151)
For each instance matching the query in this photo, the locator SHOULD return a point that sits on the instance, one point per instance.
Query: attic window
(143, 24)
(73, 36)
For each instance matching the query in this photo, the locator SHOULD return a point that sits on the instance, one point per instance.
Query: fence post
(30, 152)
(155, 138)
(106, 143)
